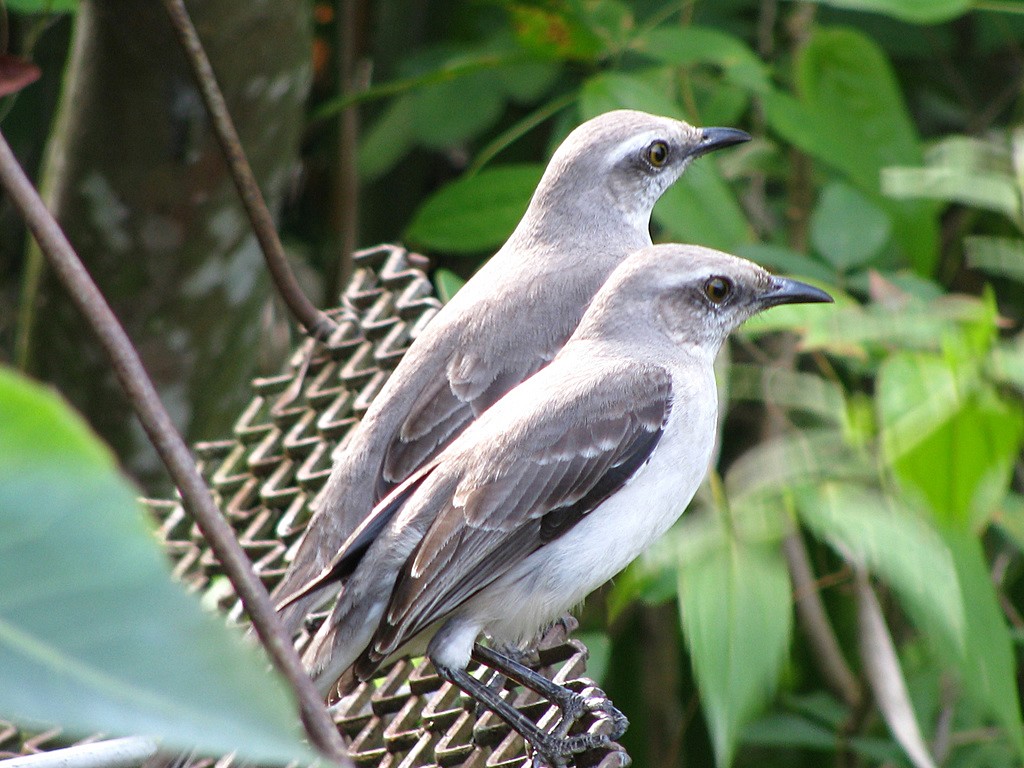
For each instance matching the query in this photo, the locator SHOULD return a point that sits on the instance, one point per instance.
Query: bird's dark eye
(717, 289)
(657, 153)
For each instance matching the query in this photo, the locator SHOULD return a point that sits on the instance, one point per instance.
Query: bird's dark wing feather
(447, 406)
(523, 487)
(351, 552)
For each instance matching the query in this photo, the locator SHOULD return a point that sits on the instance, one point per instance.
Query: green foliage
(476, 213)
(42, 6)
(884, 432)
(93, 634)
(735, 607)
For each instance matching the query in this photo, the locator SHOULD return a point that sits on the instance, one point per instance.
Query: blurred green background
(847, 590)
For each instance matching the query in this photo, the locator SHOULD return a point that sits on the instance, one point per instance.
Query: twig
(827, 655)
(345, 203)
(114, 753)
(155, 420)
(317, 324)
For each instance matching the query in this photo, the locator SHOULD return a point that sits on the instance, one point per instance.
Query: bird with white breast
(552, 491)
(591, 209)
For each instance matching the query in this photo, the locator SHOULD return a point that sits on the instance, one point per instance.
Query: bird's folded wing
(526, 484)
(470, 386)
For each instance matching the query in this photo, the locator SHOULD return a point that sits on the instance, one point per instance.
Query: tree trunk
(135, 177)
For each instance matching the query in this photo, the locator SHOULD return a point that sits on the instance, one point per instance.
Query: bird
(591, 208)
(550, 492)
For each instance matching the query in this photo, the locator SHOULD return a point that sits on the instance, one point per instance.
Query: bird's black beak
(718, 138)
(786, 291)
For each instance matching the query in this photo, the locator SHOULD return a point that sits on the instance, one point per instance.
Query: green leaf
(789, 389)
(612, 90)
(42, 6)
(847, 228)
(688, 46)
(94, 635)
(852, 117)
(893, 543)
(702, 208)
(476, 213)
(737, 620)
(1000, 256)
(438, 126)
(448, 284)
(555, 32)
(954, 185)
(800, 456)
(779, 258)
(914, 11)
(388, 140)
(988, 669)
(947, 437)
(962, 169)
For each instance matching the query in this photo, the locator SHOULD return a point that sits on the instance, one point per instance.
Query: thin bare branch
(885, 675)
(170, 446)
(114, 753)
(317, 324)
(828, 657)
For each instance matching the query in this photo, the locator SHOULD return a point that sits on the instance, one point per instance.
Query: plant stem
(195, 496)
(317, 324)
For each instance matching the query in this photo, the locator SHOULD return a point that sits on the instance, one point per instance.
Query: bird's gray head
(691, 295)
(611, 170)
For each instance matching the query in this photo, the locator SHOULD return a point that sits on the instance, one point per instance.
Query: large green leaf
(789, 389)
(914, 11)
(737, 619)
(94, 635)
(893, 543)
(948, 437)
(476, 213)
(43, 6)
(847, 228)
(613, 90)
(701, 208)
(852, 116)
(988, 669)
(687, 46)
(799, 456)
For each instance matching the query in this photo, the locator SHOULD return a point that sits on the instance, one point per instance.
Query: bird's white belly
(561, 574)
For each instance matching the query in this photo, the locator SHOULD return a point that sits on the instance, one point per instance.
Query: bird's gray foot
(555, 746)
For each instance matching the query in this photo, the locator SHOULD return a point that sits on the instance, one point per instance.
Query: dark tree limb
(317, 324)
(146, 404)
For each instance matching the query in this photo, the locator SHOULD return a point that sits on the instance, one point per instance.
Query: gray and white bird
(555, 488)
(591, 208)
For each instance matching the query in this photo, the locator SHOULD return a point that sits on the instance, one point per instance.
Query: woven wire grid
(265, 479)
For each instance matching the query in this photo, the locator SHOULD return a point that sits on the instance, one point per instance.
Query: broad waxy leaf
(737, 620)
(607, 91)
(1001, 256)
(476, 213)
(447, 283)
(789, 389)
(852, 117)
(894, 544)
(962, 169)
(687, 46)
(914, 11)
(847, 228)
(94, 635)
(951, 439)
(986, 660)
(792, 458)
(42, 6)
